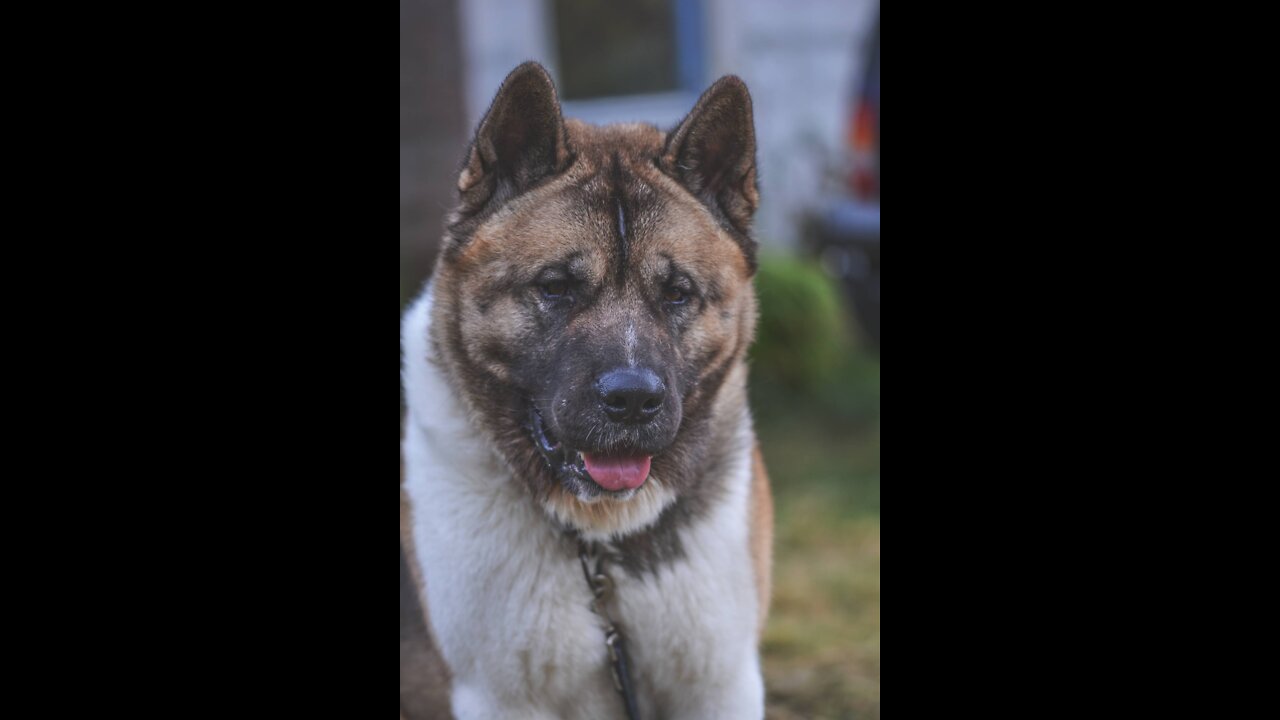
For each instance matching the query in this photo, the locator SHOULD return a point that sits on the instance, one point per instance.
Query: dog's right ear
(521, 140)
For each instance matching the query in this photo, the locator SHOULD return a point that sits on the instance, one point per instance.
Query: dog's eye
(555, 290)
(674, 296)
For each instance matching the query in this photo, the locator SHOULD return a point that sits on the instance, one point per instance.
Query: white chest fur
(510, 609)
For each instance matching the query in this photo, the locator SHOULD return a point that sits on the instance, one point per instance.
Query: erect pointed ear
(713, 153)
(521, 140)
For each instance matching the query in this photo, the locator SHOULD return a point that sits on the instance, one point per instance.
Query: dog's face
(596, 295)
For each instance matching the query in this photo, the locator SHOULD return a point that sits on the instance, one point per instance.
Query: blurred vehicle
(843, 228)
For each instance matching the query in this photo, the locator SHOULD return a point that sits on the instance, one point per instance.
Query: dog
(583, 501)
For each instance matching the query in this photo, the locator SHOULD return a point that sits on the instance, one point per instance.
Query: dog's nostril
(631, 394)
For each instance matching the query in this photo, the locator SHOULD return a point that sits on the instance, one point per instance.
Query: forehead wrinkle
(640, 216)
(619, 194)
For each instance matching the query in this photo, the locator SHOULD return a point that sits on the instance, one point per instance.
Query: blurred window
(642, 47)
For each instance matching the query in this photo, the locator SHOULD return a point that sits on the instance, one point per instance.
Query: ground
(822, 643)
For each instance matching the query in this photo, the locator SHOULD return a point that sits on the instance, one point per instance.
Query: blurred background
(813, 67)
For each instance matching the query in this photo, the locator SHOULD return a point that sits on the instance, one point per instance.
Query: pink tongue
(618, 473)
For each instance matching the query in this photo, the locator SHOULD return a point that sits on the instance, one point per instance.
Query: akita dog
(583, 503)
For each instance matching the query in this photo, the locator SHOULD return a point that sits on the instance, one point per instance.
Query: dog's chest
(510, 608)
(510, 605)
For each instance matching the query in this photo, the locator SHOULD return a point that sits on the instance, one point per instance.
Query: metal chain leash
(601, 586)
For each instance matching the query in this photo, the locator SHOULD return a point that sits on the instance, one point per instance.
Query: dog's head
(594, 299)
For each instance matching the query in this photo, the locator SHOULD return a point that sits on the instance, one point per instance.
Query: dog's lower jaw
(577, 501)
(601, 518)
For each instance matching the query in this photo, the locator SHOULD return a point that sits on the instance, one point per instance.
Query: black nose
(631, 394)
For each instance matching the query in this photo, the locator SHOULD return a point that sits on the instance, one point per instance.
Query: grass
(822, 644)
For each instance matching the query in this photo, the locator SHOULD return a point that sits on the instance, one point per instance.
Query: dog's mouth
(618, 472)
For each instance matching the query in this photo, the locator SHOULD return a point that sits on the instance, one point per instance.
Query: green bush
(802, 331)
(805, 354)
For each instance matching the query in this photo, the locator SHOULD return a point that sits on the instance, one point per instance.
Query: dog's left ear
(713, 154)
(521, 140)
